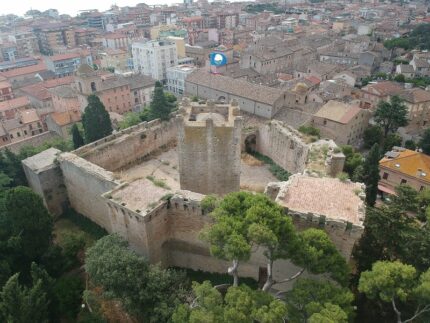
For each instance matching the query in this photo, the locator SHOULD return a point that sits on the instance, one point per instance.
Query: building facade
(154, 57)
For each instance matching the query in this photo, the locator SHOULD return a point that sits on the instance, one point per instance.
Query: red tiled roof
(37, 91)
(14, 103)
(25, 70)
(62, 57)
(67, 80)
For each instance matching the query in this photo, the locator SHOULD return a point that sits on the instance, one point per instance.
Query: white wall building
(176, 78)
(152, 58)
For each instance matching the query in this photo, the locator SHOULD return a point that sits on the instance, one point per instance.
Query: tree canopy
(371, 174)
(78, 141)
(25, 229)
(160, 107)
(395, 282)
(240, 304)
(391, 115)
(243, 219)
(96, 120)
(425, 142)
(146, 291)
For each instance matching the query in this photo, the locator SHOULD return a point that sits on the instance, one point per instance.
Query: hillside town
(261, 162)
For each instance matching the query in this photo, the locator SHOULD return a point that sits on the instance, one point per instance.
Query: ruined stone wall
(85, 183)
(129, 145)
(33, 141)
(284, 145)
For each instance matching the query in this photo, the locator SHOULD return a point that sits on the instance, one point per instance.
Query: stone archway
(251, 143)
(221, 99)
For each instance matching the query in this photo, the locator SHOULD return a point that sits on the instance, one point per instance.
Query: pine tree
(95, 120)
(23, 304)
(371, 174)
(160, 108)
(78, 141)
(425, 142)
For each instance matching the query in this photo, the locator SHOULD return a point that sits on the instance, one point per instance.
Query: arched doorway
(251, 144)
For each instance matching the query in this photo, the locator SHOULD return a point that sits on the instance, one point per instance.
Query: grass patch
(158, 182)
(276, 170)
(216, 278)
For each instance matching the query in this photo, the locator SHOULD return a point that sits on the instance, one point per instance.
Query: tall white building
(176, 76)
(152, 58)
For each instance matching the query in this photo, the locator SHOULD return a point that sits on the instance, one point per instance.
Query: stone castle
(129, 183)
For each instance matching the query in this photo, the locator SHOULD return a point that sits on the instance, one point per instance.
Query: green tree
(26, 229)
(146, 291)
(410, 144)
(96, 120)
(391, 115)
(390, 141)
(67, 291)
(400, 78)
(372, 135)
(353, 160)
(309, 296)
(371, 174)
(240, 304)
(329, 314)
(23, 304)
(160, 107)
(243, 219)
(130, 119)
(395, 283)
(78, 141)
(424, 143)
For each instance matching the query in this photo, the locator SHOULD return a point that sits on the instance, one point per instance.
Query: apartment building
(342, 122)
(63, 64)
(176, 76)
(403, 166)
(152, 58)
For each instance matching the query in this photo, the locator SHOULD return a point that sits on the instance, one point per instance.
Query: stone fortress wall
(129, 145)
(169, 232)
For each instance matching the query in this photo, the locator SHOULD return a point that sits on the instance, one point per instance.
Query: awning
(386, 189)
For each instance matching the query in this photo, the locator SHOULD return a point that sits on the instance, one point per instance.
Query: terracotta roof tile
(16, 103)
(408, 162)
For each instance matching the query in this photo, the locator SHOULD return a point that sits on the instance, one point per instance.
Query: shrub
(310, 131)
(342, 176)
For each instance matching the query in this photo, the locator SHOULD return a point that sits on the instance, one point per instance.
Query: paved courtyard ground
(164, 167)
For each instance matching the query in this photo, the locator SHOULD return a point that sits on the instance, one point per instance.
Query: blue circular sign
(217, 59)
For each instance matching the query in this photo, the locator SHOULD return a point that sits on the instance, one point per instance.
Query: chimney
(419, 172)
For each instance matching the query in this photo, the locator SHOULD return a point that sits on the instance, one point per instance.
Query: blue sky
(70, 7)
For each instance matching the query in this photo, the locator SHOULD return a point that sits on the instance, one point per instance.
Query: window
(25, 132)
(421, 188)
(385, 176)
(403, 181)
(19, 134)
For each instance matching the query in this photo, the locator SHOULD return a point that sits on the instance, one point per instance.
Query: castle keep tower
(209, 147)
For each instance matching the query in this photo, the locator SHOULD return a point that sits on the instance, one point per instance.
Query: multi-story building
(6, 92)
(26, 124)
(152, 58)
(403, 166)
(54, 37)
(10, 108)
(113, 90)
(341, 122)
(141, 91)
(96, 20)
(63, 64)
(116, 59)
(26, 43)
(176, 76)
(116, 41)
(8, 51)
